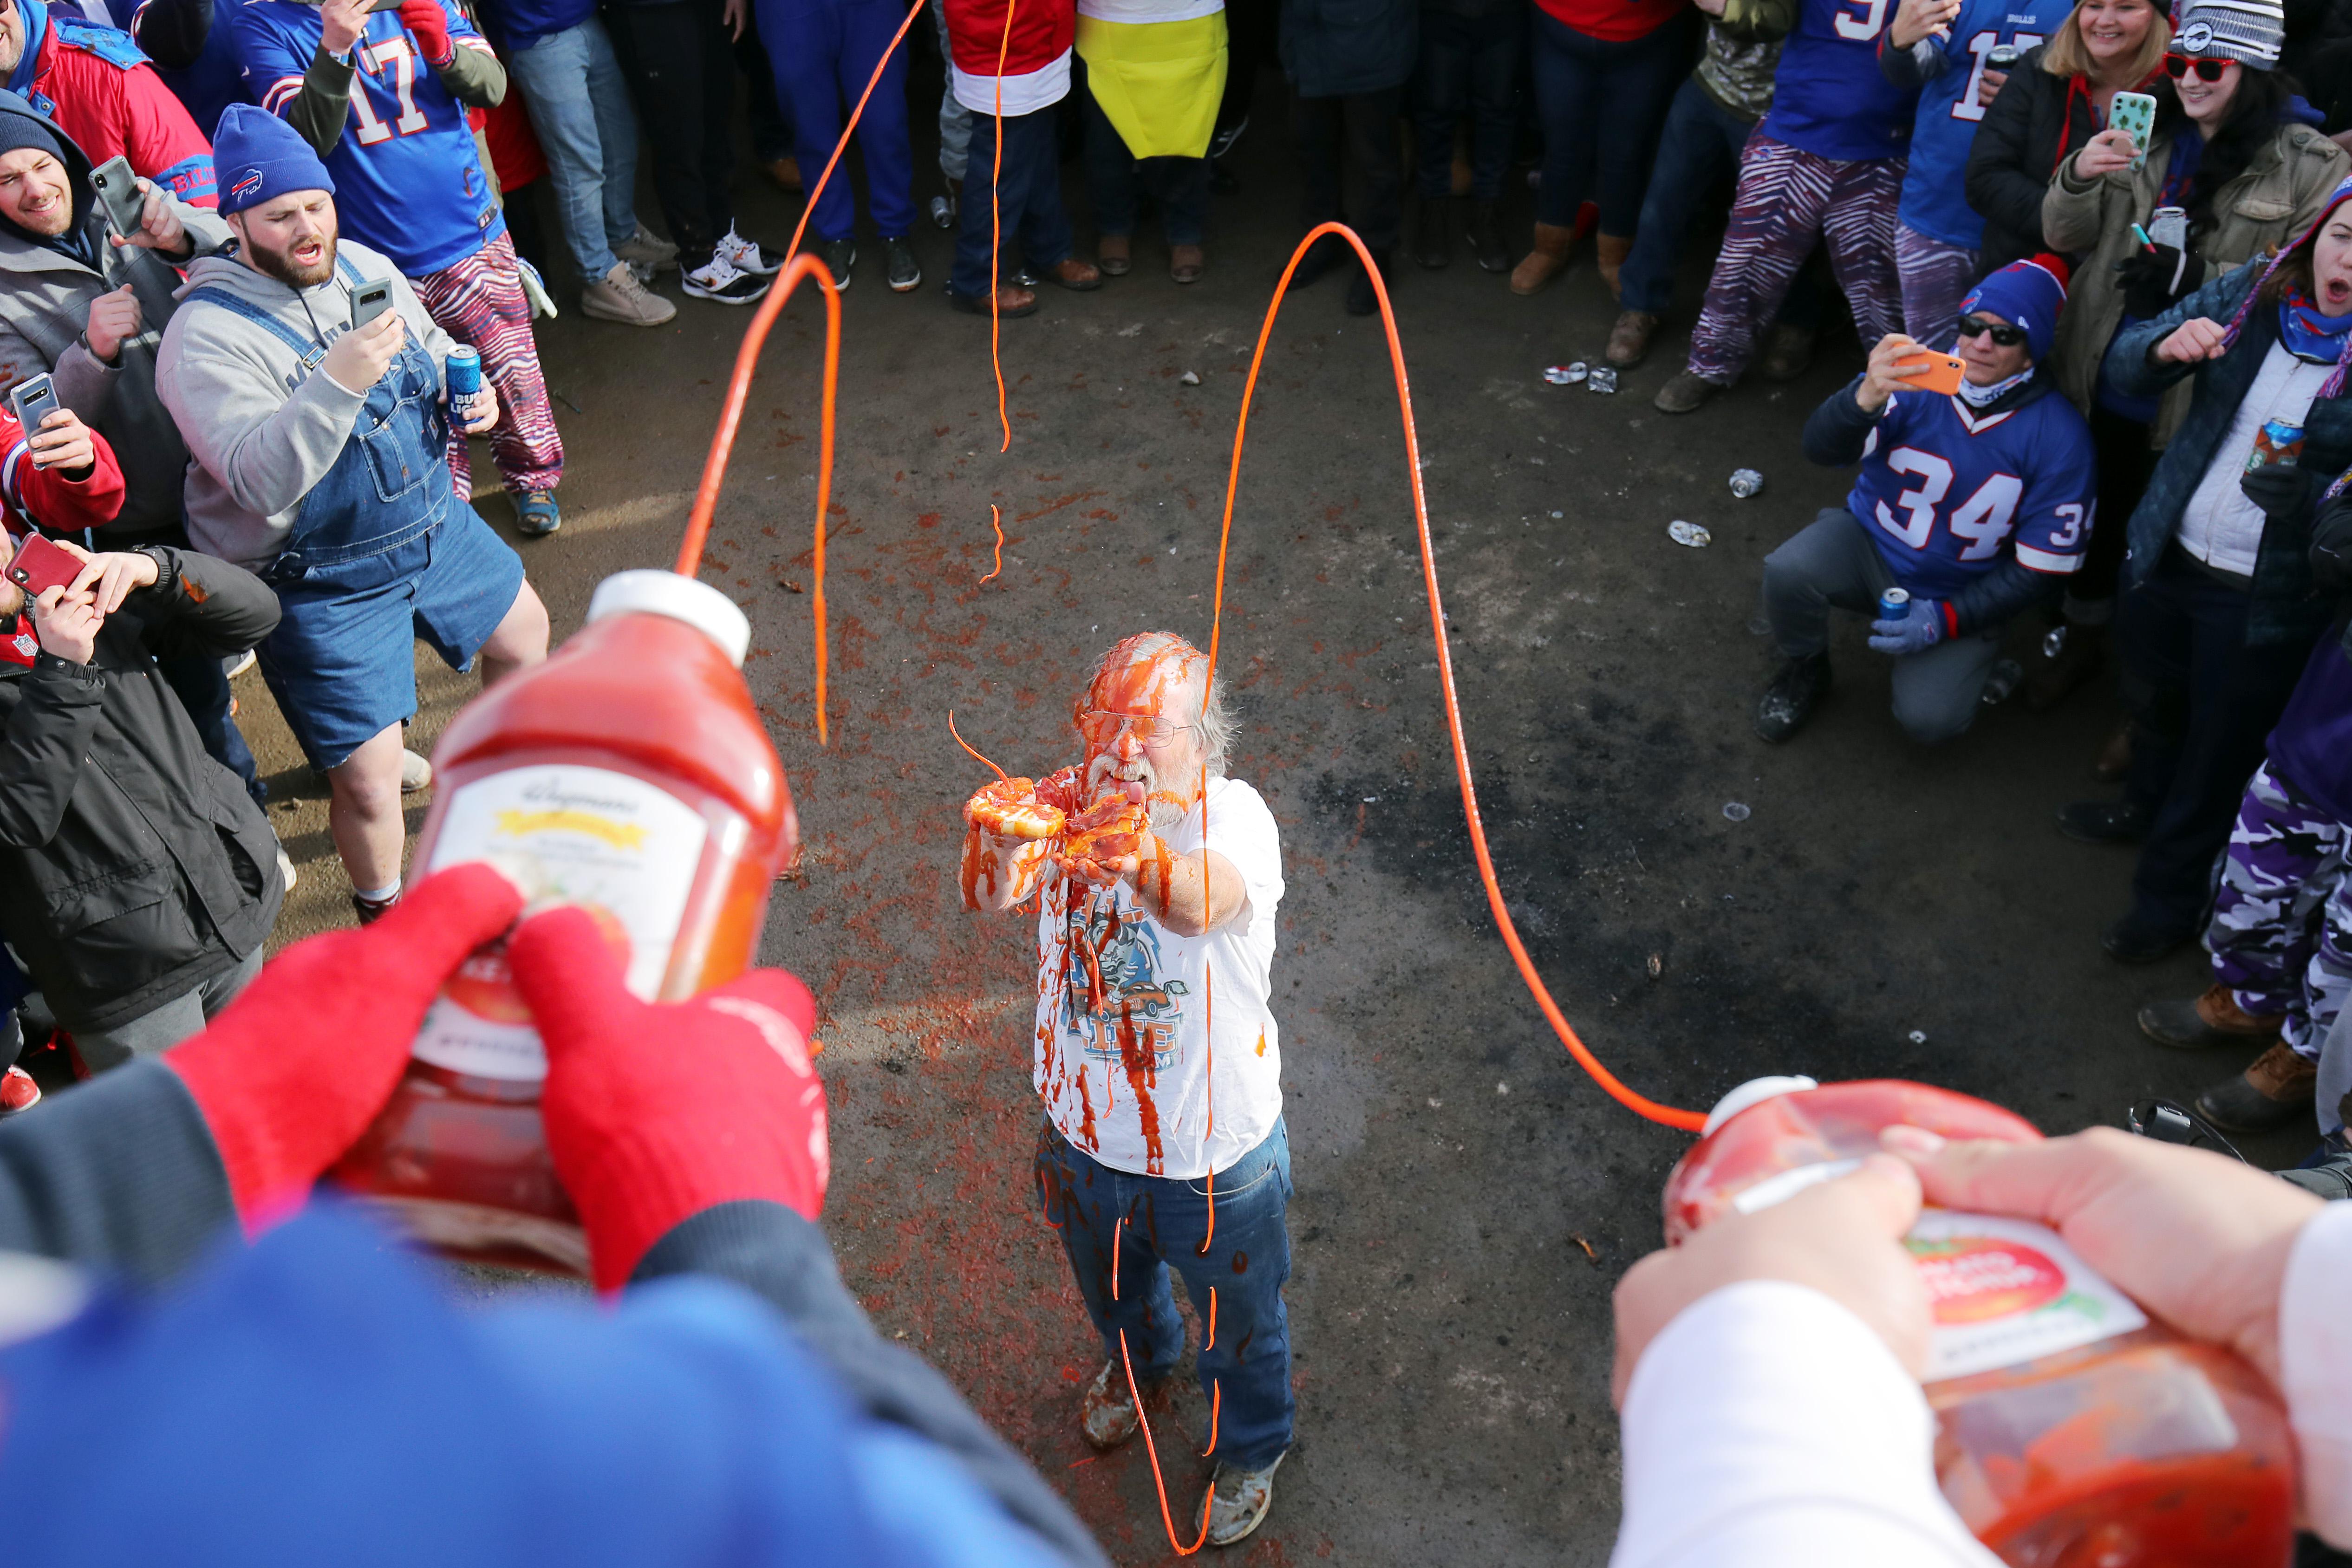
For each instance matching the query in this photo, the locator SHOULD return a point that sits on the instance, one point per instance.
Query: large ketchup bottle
(2070, 1431)
(629, 773)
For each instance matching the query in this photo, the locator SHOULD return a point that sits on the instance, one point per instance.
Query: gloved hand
(293, 1070)
(429, 25)
(2331, 547)
(1920, 629)
(2154, 280)
(2282, 489)
(656, 1112)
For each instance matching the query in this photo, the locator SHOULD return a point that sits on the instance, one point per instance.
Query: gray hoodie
(260, 431)
(45, 299)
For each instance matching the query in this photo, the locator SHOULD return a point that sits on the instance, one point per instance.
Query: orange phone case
(1944, 374)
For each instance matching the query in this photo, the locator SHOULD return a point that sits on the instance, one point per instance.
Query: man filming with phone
(321, 461)
(1975, 500)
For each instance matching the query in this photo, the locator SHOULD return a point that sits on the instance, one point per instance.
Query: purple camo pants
(2280, 933)
(1786, 200)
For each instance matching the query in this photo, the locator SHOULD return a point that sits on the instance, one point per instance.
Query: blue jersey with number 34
(1829, 96)
(1945, 493)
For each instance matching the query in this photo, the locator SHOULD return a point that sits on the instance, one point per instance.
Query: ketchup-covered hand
(293, 1070)
(658, 1111)
(429, 25)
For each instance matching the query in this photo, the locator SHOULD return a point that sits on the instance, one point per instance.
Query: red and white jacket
(1036, 53)
(99, 88)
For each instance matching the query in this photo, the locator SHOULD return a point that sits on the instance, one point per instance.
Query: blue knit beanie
(258, 156)
(2027, 294)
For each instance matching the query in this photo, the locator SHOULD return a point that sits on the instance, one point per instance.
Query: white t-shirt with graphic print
(1157, 1054)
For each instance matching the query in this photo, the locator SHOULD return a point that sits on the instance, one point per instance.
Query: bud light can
(462, 375)
(1894, 605)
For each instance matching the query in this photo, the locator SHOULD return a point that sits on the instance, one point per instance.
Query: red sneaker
(18, 1092)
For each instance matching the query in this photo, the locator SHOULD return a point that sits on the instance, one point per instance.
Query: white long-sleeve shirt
(1767, 1427)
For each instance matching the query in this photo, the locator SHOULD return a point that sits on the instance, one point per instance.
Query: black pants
(2203, 703)
(1469, 65)
(1359, 128)
(681, 66)
(202, 686)
(1115, 177)
(2125, 463)
(772, 123)
(1249, 47)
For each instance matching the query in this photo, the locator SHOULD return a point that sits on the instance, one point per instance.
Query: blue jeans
(824, 52)
(579, 105)
(1166, 1223)
(1469, 65)
(1114, 175)
(1601, 104)
(1698, 150)
(1028, 199)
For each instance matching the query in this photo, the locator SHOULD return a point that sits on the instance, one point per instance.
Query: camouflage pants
(2282, 930)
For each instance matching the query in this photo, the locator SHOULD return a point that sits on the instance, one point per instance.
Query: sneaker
(1791, 697)
(2274, 1090)
(839, 256)
(1788, 352)
(18, 1092)
(1223, 142)
(1628, 339)
(620, 297)
(369, 911)
(747, 255)
(536, 514)
(1108, 1416)
(287, 874)
(2103, 822)
(1239, 1500)
(649, 250)
(416, 772)
(237, 664)
(1687, 392)
(2213, 1019)
(721, 280)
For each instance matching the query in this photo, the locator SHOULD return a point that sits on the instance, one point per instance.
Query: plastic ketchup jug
(2071, 1432)
(629, 773)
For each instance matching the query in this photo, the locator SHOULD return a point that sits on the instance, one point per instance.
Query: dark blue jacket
(2285, 607)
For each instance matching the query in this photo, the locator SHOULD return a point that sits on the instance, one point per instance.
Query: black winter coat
(2033, 122)
(1331, 49)
(132, 866)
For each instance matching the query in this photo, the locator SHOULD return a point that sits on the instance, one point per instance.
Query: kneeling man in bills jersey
(1975, 502)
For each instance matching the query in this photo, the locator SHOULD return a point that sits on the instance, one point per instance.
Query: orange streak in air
(996, 233)
(1153, 1449)
(730, 415)
(1666, 1115)
(996, 521)
(975, 756)
(851, 129)
(1216, 1408)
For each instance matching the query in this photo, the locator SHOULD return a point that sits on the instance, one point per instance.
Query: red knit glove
(292, 1071)
(654, 1112)
(429, 25)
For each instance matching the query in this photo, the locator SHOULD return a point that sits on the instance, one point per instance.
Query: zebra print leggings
(481, 302)
(1786, 200)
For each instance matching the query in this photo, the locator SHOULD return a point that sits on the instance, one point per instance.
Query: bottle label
(2008, 1291)
(624, 848)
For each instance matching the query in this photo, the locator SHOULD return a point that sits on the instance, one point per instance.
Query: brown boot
(2052, 680)
(1609, 253)
(1788, 352)
(2115, 757)
(2213, 1019)
(2269, 1094)
(1628, 340)
(1541, 265)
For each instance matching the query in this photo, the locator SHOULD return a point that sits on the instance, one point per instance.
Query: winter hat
(258, 156)
(20, 129)
(2027, 294)
(2247, 31)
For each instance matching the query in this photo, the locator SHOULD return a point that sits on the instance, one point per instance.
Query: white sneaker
(416, 772)
(647, 251)
(238, 663)
(723, 280)
(286, 871)
(619, 297)
(748, 256)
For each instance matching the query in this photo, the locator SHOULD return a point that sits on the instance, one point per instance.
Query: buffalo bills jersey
(408, 182)
(1934, 200)
(1946, 492)
(1829, 96)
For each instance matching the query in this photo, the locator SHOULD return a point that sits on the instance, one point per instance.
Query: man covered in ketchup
(1157, 879)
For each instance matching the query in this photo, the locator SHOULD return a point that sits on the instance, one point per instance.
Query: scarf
(1978, 397)
(2306, 332)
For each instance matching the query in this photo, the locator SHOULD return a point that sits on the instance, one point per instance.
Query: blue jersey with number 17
(407, 179)
(1935, 200)
(1829, 96)
(1945, 493)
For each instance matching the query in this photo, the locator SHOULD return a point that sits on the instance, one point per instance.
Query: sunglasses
(2003, 334)
(2179, 65)
(1101, 728)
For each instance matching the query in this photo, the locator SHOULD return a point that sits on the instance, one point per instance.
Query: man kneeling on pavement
(1976, 503)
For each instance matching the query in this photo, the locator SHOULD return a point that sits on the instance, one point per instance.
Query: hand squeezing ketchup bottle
(629, 773)
(2071, 1432)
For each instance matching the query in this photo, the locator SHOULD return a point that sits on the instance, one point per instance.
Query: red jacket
(97, 87)
(44, 497)
(1036, 58)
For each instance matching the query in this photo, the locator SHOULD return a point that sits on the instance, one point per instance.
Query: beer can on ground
(462, 375)
(1894, 605)
(2275, 442)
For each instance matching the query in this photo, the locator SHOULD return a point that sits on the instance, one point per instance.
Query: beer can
(462, 375)
(2275, 442)
(1894, 605)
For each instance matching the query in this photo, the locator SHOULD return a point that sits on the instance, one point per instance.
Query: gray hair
(1214, 721)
